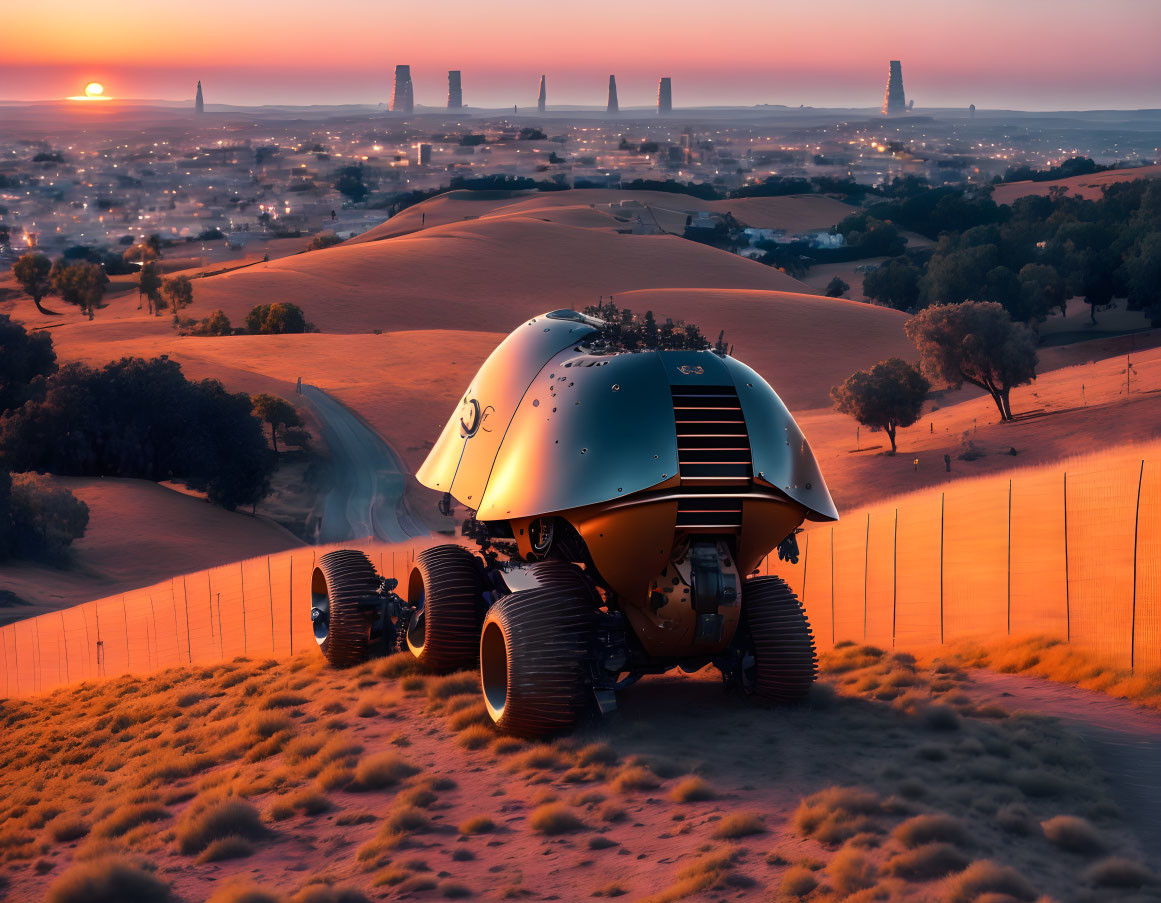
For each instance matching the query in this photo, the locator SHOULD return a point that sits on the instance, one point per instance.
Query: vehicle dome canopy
(554, 420)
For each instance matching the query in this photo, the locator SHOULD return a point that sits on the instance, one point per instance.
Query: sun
(94, 89)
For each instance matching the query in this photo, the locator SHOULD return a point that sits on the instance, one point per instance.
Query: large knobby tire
(534, 655)
(446, 586)
(341, 580)
(781, 643)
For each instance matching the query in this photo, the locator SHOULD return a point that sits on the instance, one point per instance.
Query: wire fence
(1075, 555)
(255, 608)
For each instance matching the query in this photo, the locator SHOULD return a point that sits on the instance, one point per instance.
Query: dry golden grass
(554, 818)
(837, 814)
(851, 871)
(477, 824)
(229, 847)
(214, 819)
(739, 824)
(926, 862)
(1072, 833)
(708, 872)
(1117, 871)
(798, 882)
(925, 829)
(109, 879)
(692, 790)
(381, 770)
(986, 877)
(1058, 661)
(633, 778)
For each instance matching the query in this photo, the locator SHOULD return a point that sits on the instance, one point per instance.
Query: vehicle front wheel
(779, 663)
(534, 659)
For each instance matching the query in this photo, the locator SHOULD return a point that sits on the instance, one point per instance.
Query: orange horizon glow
(1000, 55)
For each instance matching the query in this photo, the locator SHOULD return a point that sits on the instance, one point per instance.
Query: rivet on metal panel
(584, 451)
(616, 388)
(535, 402)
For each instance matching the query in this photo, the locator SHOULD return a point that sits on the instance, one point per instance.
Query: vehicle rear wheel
(342, 627)
(534, 657)
(445, 586)
(779, 663)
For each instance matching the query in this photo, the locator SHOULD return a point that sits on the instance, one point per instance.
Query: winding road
(366, 494)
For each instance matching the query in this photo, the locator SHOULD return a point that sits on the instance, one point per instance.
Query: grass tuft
(111, 879)
(1117, 871)
(925, 829)
(985, 877)
(927, 862)
(634, 777)
(554, 818)
(477, 824)
(230, 847)
(1072, 833)
(692, 790)
(381, 770)
(740, 824)
(227, 817)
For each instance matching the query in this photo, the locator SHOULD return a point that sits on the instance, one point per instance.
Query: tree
(324, 240)
(34, 273)
(275, 319)
(217, 324)
(82, 284)
(1042, 290)
(836, 288)
(894, 283)
(1142, 276)
(275, 411)
(137, 418)
(26, 360)
(179, 292)
(888, 396)
(142, 252)
(351, 184)
(149, 286)
(974, 342)
(45, 518)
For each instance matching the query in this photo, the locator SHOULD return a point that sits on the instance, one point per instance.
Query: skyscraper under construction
(613, 106)
(542, 100)
(894, 103)
(403, 98)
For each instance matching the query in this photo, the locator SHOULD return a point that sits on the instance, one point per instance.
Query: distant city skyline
(1034, 55)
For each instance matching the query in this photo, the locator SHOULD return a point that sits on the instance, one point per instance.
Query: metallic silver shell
(547, 426)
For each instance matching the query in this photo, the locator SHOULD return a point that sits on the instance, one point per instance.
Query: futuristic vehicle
(619, 498)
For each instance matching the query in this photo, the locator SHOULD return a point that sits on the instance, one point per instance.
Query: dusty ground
(388, 782)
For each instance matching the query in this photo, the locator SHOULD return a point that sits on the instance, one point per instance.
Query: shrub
(475, 736)
(212, 821)
(1116, 871)
(108, 880)
(836, 814)
(554, 818)
(985, 877)
(692, 790)
(324, 240)
(798, 881)
(478, 824)
(1015, 818)
(38, 519)
(229, 847)
(851, 871)
(67, 827)
(275, 319)
(1072, 833)
(633, 778)
(381, 770)
(740, 824)
(924, 829)
(325, 893)
(128, 817)
(923, 863)
(243, 892)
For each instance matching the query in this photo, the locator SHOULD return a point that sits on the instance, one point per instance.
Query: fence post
(894, 576)
(241, 583)
(154, 611)
(1009, 557)
(65, 639)
(1136, 532)
(221, 639)
(866, 568)
(185, 598)
(4, 649)
(1067, 600)
(942, 497)
(125, 615)
(805, 562)
(88, 644)
(832, 629)
(210, 602)
(270, 595)
(290, 606)
(16, 653)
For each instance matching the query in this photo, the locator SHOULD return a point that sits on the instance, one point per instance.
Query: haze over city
(1039, 55)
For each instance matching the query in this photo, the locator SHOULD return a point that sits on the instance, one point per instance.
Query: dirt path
(366, 498)
(1125, 740)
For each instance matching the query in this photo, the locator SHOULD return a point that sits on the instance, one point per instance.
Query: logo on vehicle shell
(691, 370)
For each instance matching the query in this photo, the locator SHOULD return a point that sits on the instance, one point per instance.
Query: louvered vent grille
(709, 512)
(712, 444)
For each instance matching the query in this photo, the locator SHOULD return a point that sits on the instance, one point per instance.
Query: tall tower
(455, 92)
(199, 102)
(665, 97)
(542, 101)
(894, 103)
(403, 100)
(613, 107)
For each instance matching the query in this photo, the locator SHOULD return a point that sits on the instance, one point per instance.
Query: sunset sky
(1027, 54)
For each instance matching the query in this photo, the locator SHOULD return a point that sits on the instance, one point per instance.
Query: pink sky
(1028, 54)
